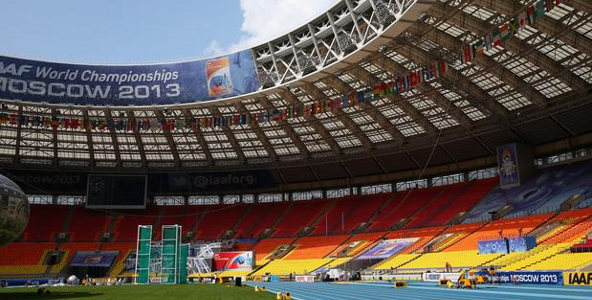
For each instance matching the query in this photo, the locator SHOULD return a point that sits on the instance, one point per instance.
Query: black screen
(113, 191)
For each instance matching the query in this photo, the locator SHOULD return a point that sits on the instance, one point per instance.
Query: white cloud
(267, 19)
(213, 49)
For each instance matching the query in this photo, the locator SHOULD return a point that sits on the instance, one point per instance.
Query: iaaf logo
(580, 278)
(434, 276)
(12, 69)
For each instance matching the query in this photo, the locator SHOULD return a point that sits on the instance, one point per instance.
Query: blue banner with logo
(521, 244)
(507, 165)
(492, 246)
(182, 82)
(532, 277)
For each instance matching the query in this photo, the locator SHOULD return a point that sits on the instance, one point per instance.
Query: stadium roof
(534, 87)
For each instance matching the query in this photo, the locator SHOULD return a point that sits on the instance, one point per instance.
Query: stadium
(409, 149)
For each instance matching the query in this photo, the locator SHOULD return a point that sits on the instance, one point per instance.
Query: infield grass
(140, 292)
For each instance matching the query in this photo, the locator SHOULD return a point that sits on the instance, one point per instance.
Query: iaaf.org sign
(220, 181)
(439, 276)
(534, 277)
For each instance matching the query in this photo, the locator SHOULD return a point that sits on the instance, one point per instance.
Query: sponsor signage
(190, 81)
(387, 248)
(33, 181)
(304, 278)
(436, 277)
(577, 278)
(234, 261)
(533, 277)
(93, 259)
(492, 246)
(508, 245)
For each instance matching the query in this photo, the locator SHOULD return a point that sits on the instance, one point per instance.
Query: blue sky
(135, 31)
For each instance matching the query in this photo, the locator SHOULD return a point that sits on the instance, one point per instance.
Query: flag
(443, 67)
(540, 9)
(488, 42)
(495, 37)
(344, 101)
(468, 54)
(522, 18)
(360, 97)
(413, 79)
(505, 32)
(550, 4)
(478, 48)
(514, 26)
(12, 119)
(530, 12)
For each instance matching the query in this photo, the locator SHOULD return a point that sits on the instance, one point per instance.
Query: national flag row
(307, 111)
(505, 31)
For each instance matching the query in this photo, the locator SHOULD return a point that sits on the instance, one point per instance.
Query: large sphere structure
(14, 211)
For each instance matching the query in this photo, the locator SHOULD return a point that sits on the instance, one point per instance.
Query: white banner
(439, 276)
(304, 278)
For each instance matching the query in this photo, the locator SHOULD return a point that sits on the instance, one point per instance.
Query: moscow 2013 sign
(183, 82)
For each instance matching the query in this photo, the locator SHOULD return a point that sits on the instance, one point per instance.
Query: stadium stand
(45, 222)
(186, 216)
(458, 259)
(285, 267)
(218, 219)
(299, 215)
(126, 225)
(86, 225)
(262, 216)
(334, 216)
(266, 247)
(315, 247)
(402, 207)
(430, 212)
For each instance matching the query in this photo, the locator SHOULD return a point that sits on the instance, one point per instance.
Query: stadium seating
(491, 231)
(86, 224)
(395, 261)
(262, 216)
(542, 193)
(349, 212)
(463, 203)
(565, 261)
(126, 226)
(335, 215)
(187, 217)
(536, 255)
(285, 267)
(357, 243)
(301, 214)
(429, 213)
(218, 219)
(45, 222)
(426, 210)
(24, 259)
(267, 246)
(403, 206)
(315, 247)
(458, 259)
(13, 254)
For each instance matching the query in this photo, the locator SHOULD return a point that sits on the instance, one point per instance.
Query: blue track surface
(422, 290)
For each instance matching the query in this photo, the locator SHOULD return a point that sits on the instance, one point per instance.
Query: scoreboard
(116, 191)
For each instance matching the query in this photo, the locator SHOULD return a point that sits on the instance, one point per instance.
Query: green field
(132, 292)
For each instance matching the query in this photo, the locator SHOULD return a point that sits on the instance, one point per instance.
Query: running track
(422, 290)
